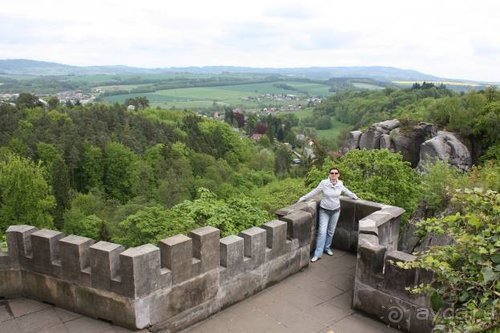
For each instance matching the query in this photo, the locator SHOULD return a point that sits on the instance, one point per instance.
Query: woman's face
(334, 174)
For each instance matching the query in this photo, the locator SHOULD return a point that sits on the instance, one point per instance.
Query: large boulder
(407, 140)
(418, 144)
(445, 147)
(371, 138)
(352, 141)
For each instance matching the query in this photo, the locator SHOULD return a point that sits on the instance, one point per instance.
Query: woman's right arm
(311, 194)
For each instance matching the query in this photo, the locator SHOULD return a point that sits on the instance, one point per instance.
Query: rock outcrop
(419, 143)
(445, 147)
(352, 141)
(408, 141)
(372, 137)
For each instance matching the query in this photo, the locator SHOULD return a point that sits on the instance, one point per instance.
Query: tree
(85, 218)
(27, 100)
(138, 102)
(228, 115)
(53, 102)
(58, 177)
(465, 289)
(437, 185)
(323, 122)
(282, 161)
(9, 122)
(25, 196)
(93, 167)
(377, 175)
(177, 179)
(120, 172)
(143, 102)
(61, 189)
(150, 225)
(90, 226)
(239, 119)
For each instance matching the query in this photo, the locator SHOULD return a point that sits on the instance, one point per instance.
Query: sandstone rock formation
(408, 141)
(418, 144)
(353, 140)
(371, 138)
(445, 147)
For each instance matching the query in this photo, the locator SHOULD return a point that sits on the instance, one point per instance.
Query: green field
(236, 95)
(313, 89)
(332, 133)
(367, 86)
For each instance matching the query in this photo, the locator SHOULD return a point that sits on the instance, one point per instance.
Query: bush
(90, 226)
(376, 175)
(466, 273)
(438, 184)
(25, 194)
(154, 223)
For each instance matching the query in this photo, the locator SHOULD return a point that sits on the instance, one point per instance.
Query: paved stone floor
(22, 315)
(316, 300)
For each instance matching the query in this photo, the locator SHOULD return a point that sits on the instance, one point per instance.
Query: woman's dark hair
(333, 169)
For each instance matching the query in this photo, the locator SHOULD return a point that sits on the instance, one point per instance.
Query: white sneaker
(329, 252)
(314, 259)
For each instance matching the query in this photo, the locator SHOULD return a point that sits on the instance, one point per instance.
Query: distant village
(295, 102)
(72, 96)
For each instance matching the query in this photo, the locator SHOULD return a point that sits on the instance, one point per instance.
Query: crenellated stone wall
(186, 278)
(380, 286)
(167, 287)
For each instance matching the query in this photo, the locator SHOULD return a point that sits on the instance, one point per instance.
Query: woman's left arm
(350, 194)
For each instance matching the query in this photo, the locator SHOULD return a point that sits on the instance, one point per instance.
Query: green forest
(102, 170)
(137, 176)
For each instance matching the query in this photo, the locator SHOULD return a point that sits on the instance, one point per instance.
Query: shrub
(466, 273)
(376, 175)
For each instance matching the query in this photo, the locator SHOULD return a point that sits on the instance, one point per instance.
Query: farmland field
(367, 86)
(236, 95)
(313, 89)
(332, 133)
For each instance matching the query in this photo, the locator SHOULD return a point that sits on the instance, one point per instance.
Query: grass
(367, 86)
(313, 89)
(235, 95)
(307, 112)
(331, 133)
(447, 83)
(119, 87)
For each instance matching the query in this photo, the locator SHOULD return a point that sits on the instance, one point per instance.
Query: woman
(329, 210)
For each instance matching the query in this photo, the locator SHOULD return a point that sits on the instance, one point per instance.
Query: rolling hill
(39, 68)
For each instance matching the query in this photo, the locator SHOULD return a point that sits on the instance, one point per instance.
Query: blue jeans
(326, 228)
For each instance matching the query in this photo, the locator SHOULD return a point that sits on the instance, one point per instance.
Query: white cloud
(445, 38)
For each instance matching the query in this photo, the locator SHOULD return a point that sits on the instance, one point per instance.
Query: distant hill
(39, 68)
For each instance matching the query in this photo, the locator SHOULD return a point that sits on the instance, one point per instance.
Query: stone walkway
(22, 315)
(318, 299)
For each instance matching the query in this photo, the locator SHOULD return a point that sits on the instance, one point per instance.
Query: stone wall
(166, 287)
(379, 285)
(186, 278)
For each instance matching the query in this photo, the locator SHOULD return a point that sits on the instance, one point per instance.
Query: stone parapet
(184, 279)
(380, 285)
(187, 278)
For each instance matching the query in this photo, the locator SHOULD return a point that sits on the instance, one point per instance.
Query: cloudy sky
(447, 38)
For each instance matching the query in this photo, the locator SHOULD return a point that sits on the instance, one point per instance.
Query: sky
(449, 39)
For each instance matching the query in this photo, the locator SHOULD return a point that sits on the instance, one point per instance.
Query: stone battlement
(380, 286)
(186, 278)
(153, 286)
